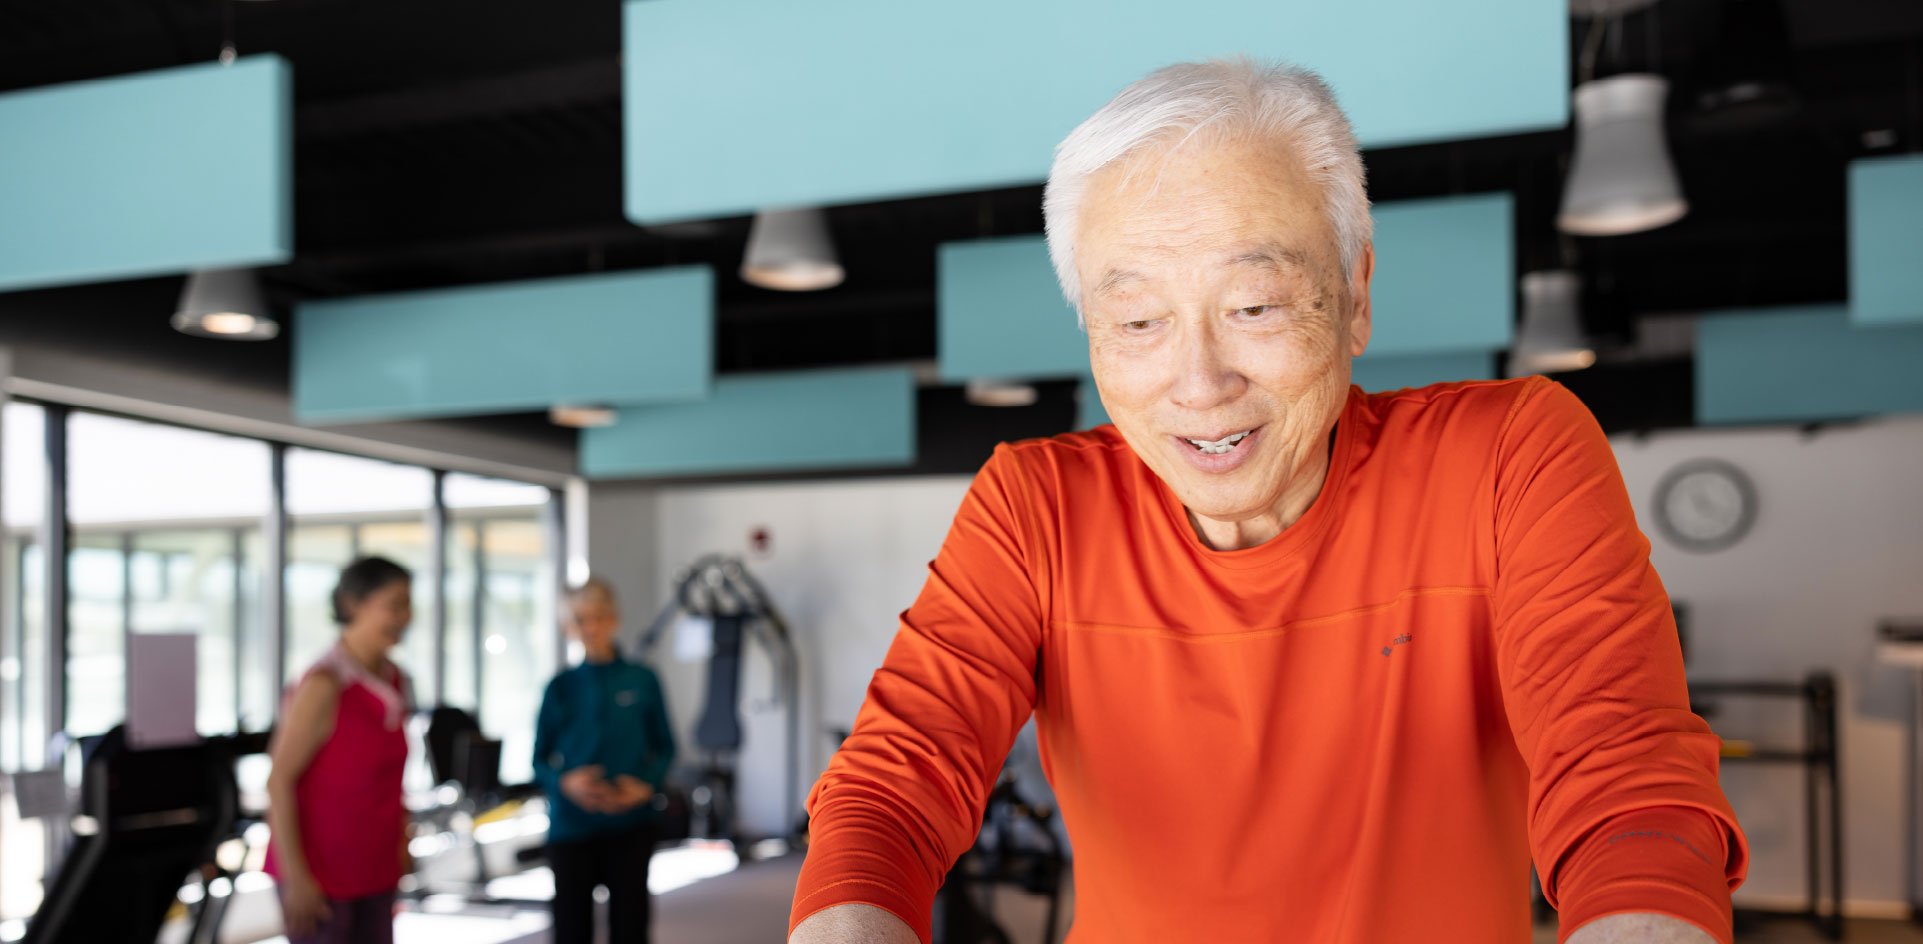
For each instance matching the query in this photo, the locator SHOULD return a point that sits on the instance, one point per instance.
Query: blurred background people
(602, 747)
(335, 807)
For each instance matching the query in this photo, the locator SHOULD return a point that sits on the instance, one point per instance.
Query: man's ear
(1361, 322)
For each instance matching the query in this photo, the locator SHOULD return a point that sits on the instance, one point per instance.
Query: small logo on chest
(627, 698)
(1396, 643)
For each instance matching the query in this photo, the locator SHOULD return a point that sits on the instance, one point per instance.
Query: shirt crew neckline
(1297, 536)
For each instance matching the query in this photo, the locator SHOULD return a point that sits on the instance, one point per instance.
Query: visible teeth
(1219, 446)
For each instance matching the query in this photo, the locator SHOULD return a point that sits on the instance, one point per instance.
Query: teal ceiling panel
(641, 336)
(147, 174)
(777, 422)
(1801, 364)
(999, 313)
(1886, 240)
(1445, 279)
(736, 105)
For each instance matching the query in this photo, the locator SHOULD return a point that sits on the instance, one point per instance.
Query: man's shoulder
(1066, 458)
(1454, 408)
(1462, 395)
(1454, 421)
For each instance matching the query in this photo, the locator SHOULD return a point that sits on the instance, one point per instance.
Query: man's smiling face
(1220, 322)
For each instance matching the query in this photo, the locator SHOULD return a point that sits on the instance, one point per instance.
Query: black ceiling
(442, 143)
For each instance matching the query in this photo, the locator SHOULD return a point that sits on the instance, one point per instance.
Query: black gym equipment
(148, 820)
(719, 589)
(1018, 845)
(461, 756)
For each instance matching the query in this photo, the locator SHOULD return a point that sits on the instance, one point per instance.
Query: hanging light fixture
(1551, 338)
(791, 250)
(225, 304)
(1622, 180)
(1001, 393)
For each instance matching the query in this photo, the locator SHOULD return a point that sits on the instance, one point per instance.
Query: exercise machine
(1017, 847)
(148, 820)
(466, 766)
(718, 588)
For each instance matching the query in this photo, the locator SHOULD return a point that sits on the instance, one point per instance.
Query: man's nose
(1206, 373)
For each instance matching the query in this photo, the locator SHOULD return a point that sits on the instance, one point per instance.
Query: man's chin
(1223, 505)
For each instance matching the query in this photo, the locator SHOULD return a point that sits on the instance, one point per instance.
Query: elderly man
(1309, 664)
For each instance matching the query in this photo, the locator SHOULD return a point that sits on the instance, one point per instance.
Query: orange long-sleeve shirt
(1359, 731)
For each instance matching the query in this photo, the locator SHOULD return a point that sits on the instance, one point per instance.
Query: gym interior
(724, 304)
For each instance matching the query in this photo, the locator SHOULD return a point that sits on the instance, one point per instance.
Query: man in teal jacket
(601, 747)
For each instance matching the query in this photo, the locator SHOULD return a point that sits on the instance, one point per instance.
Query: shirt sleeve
(1625, 812)
(903, 798)
(547, 727)
(660, 733)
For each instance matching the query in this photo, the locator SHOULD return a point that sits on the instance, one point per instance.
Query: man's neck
(600, 655)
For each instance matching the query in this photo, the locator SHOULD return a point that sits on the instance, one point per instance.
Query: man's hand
(630, 792)
(1639, 929)
(589, 789)
(852, 924)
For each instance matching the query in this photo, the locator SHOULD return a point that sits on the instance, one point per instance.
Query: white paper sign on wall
(162, 679)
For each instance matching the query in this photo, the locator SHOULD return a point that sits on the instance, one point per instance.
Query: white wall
(846, 557)
(1837, 548)
(620, 522)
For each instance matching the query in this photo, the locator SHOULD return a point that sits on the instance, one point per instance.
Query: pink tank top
(352, 816)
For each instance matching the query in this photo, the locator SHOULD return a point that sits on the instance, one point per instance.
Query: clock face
(1706, 505)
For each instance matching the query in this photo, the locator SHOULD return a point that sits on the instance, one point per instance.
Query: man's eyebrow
(1270, 256)
(1115, 278)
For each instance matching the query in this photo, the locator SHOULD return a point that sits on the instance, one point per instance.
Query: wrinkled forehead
(1239, 202)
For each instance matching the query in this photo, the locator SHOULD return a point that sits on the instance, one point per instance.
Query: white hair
(1227, 97)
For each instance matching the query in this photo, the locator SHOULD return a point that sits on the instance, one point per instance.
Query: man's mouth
(1216, 447)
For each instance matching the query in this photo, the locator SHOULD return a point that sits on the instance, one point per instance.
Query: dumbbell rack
(1819, 759)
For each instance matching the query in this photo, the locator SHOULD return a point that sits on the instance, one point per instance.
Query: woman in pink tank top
(339, 825)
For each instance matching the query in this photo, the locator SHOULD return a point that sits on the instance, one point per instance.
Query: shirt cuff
(1668, 860)
(859, 854)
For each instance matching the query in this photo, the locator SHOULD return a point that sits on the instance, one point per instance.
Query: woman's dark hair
(362, 579)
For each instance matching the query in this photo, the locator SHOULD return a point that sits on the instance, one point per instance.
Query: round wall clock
(1705, 505)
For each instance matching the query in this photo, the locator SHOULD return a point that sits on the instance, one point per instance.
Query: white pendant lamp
(1001, 393)
(1551, 338)
(226, 304)
(791, 250)
(1622, 180)
(582, 416)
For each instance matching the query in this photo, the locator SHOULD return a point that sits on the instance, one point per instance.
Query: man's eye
(1136, 325)
(1255, 311)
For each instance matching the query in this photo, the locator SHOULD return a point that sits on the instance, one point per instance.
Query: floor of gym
(750, 906)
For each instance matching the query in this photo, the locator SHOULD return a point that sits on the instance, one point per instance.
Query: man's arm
(903, 797)
(1640, 929)
(858, 924)
(1625, 813)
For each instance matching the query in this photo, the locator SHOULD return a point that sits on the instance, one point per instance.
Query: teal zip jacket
(612, 715)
